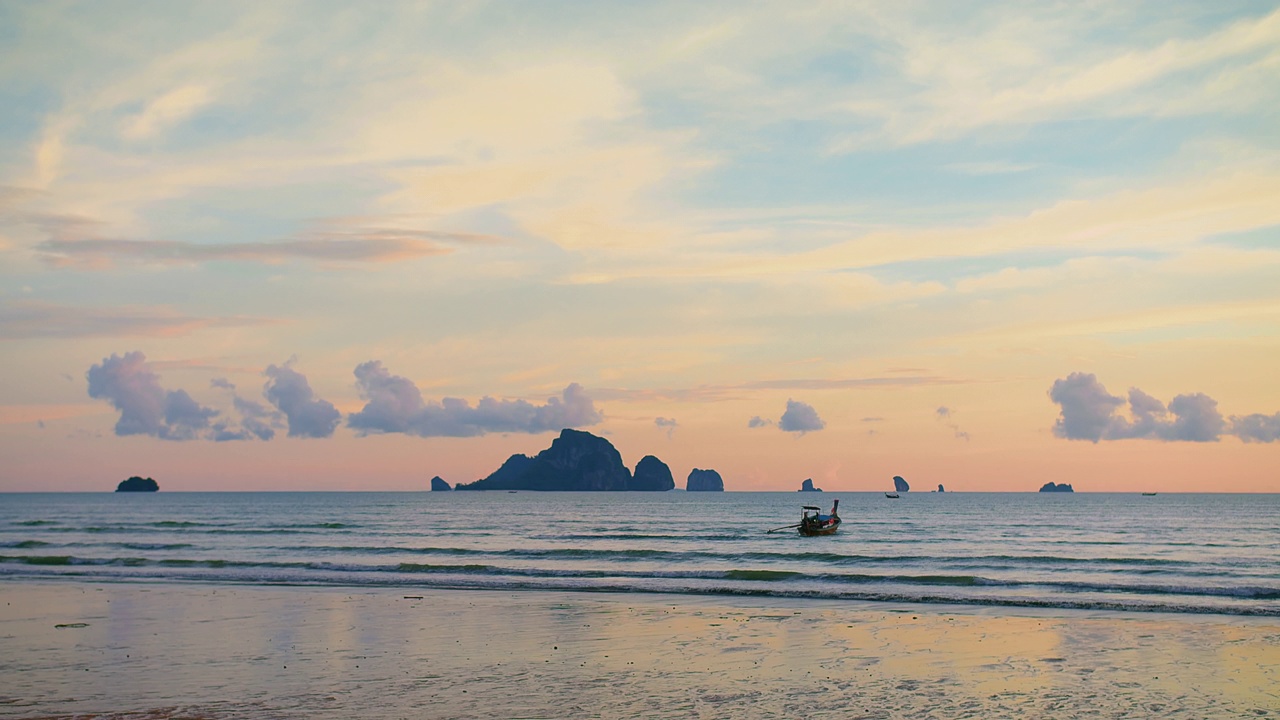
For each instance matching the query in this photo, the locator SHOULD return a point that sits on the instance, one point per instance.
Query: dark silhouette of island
(653, 475)
(900, 485)
(438, 484)
(576, 461)
(704, 481)
(807, 486)
(940, 488)
(138, 484)
(1060, 487)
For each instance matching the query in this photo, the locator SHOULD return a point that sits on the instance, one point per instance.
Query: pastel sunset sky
(294, 246)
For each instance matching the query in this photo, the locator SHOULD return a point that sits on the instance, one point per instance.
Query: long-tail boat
(813, 522)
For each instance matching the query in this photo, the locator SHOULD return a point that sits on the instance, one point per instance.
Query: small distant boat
(891, 496)
(813, 522)
(1148, 494)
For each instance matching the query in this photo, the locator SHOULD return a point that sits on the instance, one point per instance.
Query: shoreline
(172, 649)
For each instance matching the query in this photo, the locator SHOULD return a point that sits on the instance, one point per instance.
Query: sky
(341, 246)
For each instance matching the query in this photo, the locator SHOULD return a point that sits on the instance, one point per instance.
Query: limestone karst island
(580, 461)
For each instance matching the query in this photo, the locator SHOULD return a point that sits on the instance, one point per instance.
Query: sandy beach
(193, 651)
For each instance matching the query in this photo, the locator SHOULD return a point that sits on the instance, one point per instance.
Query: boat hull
(812, 530)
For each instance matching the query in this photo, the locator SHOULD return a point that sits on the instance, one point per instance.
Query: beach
(190, 650)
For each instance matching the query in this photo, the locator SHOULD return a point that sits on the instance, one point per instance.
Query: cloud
(800, 417)
(395, 405)
(1087, 407)
(669, 423)
(1089, 412)
(100, 253)
(943, 414)
(308, 416)
(1256, 428)
(758, 421)
(256, 419)
(166, 111)
(22, 320)
(711, 393)
(145, 407)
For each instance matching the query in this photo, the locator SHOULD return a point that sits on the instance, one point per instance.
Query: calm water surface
(1192, 553)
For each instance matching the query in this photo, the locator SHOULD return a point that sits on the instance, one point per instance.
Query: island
(138, 484)
(1059, 487)
(807, 486)
(652, 475)
(900, 485)
(576, 461)
(940, 488)
(438, 484)
(704, 481)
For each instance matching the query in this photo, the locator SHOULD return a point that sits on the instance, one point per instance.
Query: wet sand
(200, 651)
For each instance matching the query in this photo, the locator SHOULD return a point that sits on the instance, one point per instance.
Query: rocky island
(652, 474)
(1059, 487)
(704, 481)
(900, 485)
(138, 484)
(807, 486)
(438, 484)
(576, 461)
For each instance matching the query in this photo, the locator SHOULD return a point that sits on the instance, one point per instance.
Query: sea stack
(940, 488)
(900, 485)
(1059, 487)
(652, 475)
(438, 484)
(138, 484)
(807, 486)
(704, 481)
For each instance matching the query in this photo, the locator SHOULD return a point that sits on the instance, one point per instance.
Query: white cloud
(166, 111)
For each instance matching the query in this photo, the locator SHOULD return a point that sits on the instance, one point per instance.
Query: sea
(1170, 553)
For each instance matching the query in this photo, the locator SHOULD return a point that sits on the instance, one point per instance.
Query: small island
(438, 484)
(940, 488)
(1059, 487)
(807, 486)
(704, 481)
(652, 475)
(138, 484)
(900, 485)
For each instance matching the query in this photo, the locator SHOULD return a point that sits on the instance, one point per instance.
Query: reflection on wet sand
(164, 651)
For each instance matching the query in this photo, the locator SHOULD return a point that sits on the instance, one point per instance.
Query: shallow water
(1167, 553)
(135, 651)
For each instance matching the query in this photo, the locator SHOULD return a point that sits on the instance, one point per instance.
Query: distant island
(940, 488)
(900, 485)
(576, 461)
(704, 481)
(138, 484)
(438, 484)
(807, 486)
(652, 474)
(1060, 487)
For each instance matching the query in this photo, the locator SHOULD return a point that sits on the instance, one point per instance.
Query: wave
(1239, 605)
(25, 544)
(750, 575)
